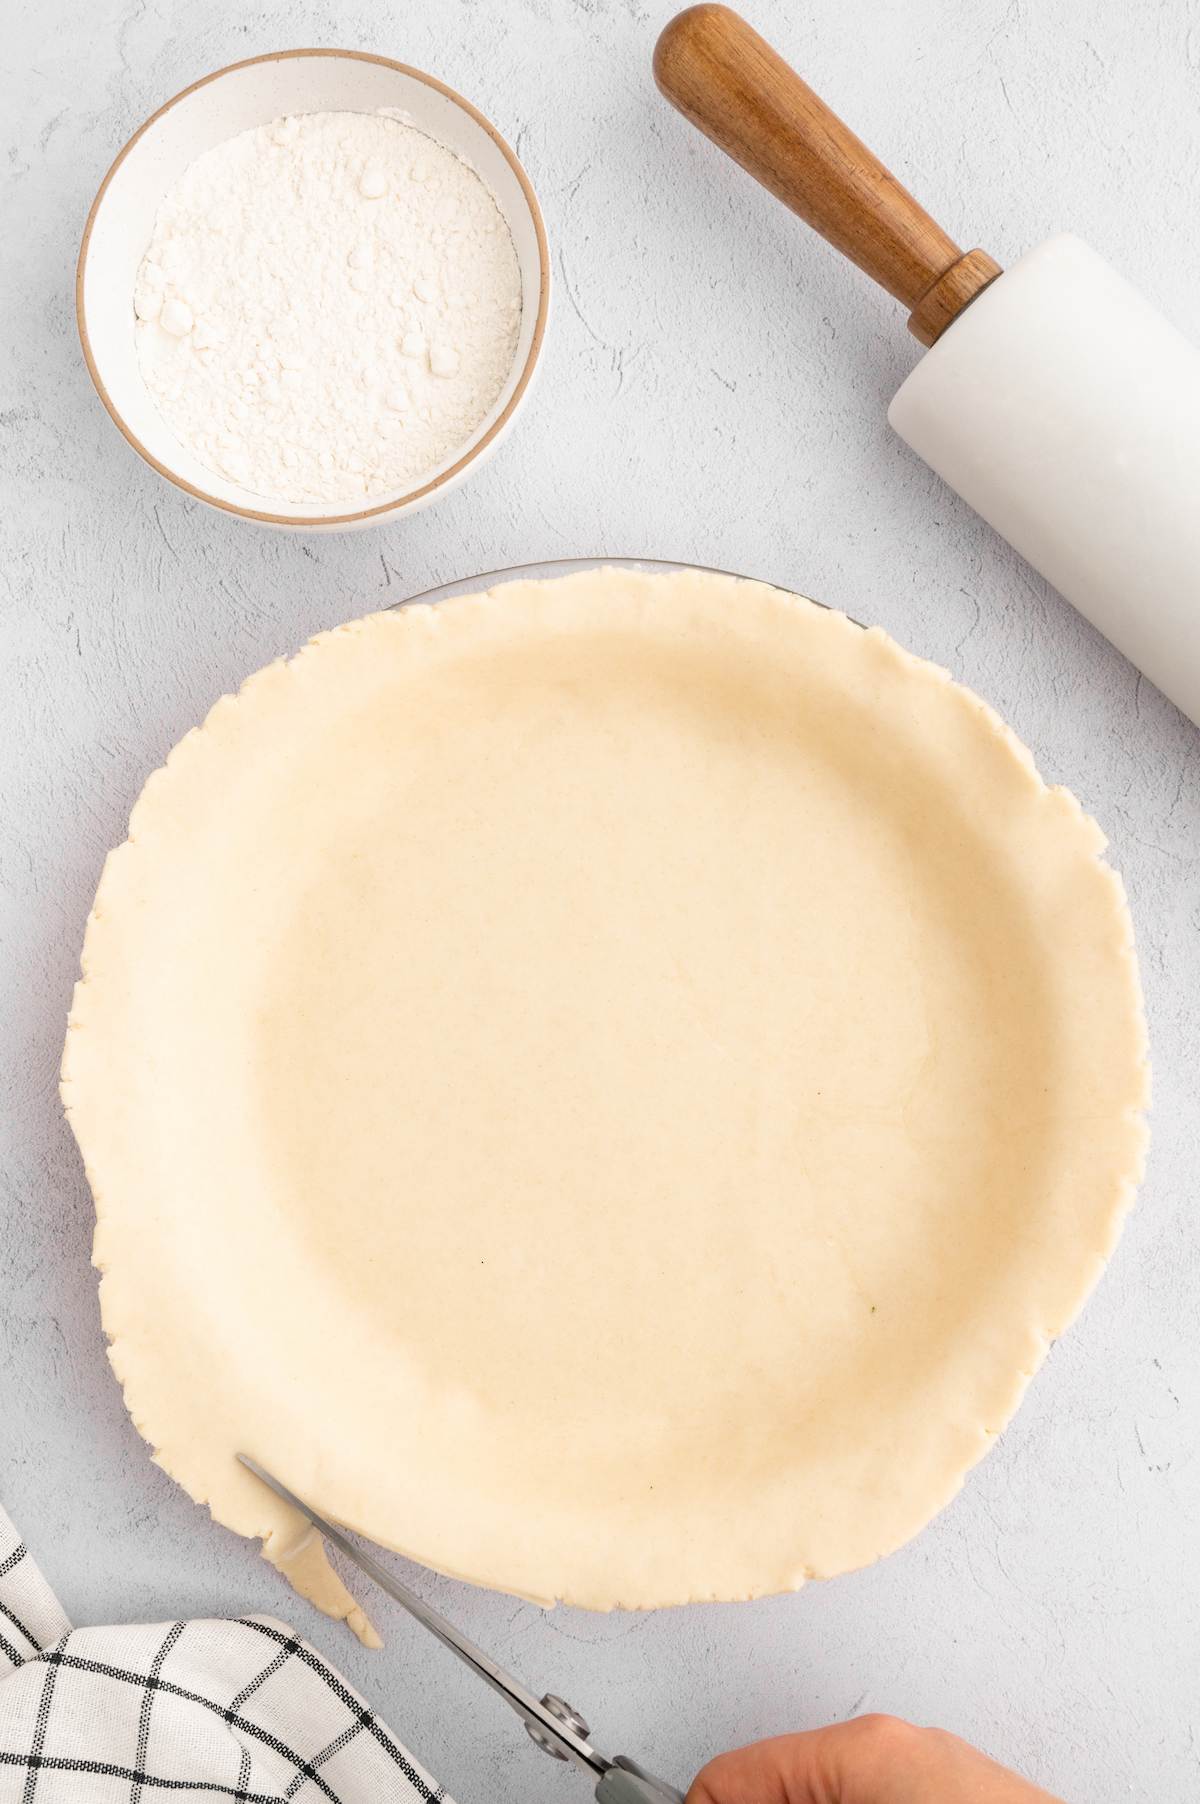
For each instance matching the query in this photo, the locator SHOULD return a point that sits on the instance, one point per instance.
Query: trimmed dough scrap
(607, 1087)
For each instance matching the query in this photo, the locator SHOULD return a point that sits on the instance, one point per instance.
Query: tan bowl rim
(497, 425)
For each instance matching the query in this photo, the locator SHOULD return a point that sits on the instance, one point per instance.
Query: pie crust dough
(608, 1087)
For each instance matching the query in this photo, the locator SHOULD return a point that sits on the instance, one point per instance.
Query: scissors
(553, 1725)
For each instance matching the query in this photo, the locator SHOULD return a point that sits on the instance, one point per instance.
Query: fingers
(869, 1760)
(857, 1762)
(792, 1769)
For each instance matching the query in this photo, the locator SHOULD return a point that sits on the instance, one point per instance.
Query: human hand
(869, 1760)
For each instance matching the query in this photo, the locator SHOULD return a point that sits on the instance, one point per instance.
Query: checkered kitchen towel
(206, 1710)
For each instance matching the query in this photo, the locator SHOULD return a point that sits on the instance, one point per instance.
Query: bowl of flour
(313, 288)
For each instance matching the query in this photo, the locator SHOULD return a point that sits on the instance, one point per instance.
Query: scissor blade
(531, 1710)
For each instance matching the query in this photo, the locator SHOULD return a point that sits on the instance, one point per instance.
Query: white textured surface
(713, 388)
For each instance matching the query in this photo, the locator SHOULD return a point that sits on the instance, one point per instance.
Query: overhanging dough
(608, 1087)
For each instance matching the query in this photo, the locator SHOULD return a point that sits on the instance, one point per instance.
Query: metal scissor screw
(566, 1715)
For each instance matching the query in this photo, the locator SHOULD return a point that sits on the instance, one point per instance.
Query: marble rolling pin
(1054, 398)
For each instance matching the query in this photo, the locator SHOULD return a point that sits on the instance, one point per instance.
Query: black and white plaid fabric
(207, 1710)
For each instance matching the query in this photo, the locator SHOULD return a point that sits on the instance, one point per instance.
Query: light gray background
(713, 388)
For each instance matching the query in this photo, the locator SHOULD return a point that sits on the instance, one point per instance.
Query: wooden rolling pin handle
(731, 84)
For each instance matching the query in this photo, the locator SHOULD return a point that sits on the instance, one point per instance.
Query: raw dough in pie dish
(608, 1087)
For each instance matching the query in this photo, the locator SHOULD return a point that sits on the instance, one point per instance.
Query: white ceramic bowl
(233, 100)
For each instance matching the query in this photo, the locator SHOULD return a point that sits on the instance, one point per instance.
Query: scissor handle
(626, 1783)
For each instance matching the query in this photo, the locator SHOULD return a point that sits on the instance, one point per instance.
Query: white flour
(328, 308)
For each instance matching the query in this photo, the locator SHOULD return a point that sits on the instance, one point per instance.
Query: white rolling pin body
(1066, 410)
